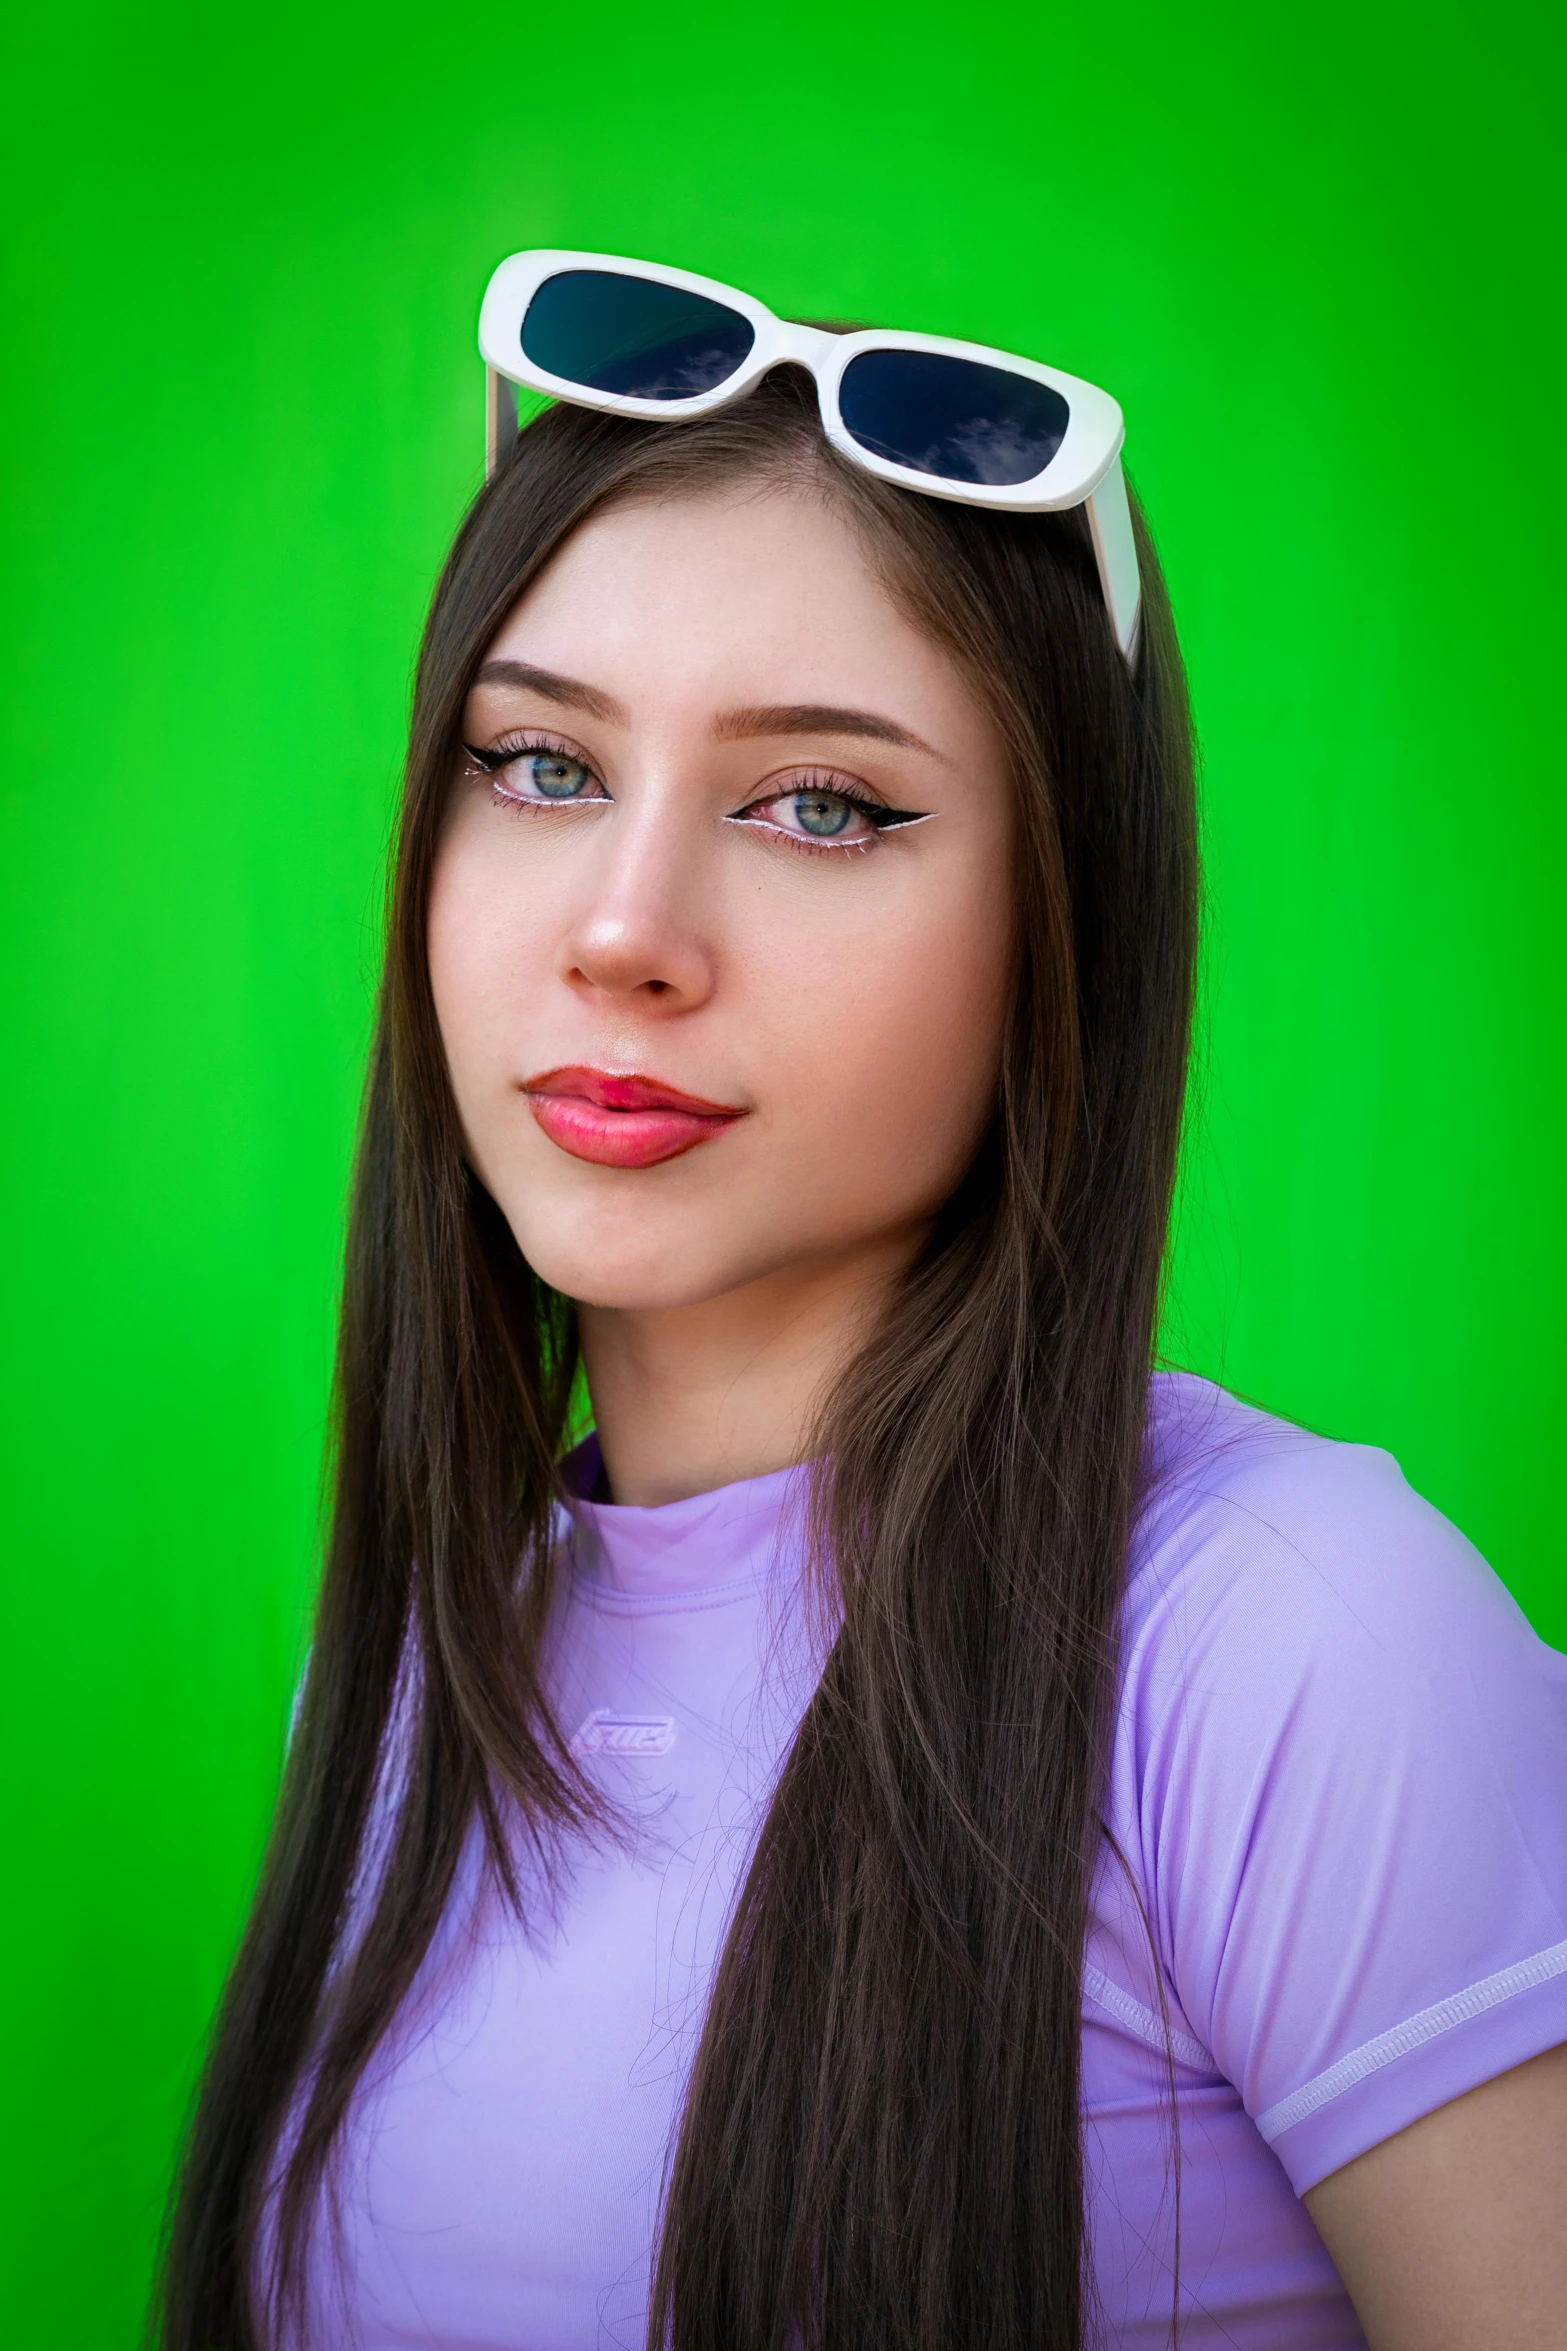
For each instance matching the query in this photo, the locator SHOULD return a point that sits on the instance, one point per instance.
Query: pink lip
(622, 1121)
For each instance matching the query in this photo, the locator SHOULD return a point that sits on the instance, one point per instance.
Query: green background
(1312, 251)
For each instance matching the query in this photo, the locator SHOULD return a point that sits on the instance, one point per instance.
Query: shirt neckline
(680, 1554)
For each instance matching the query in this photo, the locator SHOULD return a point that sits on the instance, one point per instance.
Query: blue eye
(822, 814)
(556, 776)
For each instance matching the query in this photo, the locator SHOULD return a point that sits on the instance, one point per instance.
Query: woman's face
(721, 927)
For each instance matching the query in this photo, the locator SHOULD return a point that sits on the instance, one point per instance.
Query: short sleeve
(1342, 1771)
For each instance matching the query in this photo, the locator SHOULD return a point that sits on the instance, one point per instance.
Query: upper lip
(625, 1090)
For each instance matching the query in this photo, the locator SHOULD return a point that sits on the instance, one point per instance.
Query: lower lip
(622, 1138)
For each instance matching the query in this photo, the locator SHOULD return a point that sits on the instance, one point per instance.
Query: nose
(637, 938)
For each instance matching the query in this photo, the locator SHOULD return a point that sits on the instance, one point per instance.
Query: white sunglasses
(953, 420)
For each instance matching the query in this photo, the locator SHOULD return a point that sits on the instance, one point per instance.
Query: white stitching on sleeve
(1429, 2025)
(1142, 2021)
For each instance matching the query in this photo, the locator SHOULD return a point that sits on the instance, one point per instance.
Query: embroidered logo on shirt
(624, 1734)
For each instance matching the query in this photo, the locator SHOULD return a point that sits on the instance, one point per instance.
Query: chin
(633, 1273)
(635, 1288)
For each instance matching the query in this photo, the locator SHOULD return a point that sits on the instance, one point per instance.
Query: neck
(687, 1398)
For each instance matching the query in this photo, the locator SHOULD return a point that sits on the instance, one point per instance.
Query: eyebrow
(735, 726)
(818, 718)
(553, 687)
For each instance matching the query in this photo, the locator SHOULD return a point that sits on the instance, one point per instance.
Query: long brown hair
(879, 2149)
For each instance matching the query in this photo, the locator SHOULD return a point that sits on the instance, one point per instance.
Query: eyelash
(504, 754)
(880, 818)
(877, 815)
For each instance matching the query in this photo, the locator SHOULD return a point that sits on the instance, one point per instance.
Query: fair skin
(676, 861)
(844, 992)
(1453, 2235)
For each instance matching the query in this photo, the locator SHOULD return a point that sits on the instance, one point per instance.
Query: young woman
(916, 1835)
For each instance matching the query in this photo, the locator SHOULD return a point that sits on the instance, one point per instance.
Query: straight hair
(880, 2142)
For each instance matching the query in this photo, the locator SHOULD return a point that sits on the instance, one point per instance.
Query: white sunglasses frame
(1085, 471)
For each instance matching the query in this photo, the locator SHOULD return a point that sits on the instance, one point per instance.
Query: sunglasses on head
(952, 420)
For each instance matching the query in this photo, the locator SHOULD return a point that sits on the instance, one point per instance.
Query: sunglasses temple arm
(1115, 551)
(500, 422)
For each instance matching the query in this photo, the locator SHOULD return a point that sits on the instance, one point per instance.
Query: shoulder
(1261, 1543)
(1336, 1782)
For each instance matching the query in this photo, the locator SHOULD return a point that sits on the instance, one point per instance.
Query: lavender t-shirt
(1340, 1790)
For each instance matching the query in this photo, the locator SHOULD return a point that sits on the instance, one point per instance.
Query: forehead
(758, 595)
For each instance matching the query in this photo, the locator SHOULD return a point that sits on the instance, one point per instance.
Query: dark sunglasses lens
(952, 417)
(632, 335)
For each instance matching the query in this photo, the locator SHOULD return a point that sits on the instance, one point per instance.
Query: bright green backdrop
(1313, 252)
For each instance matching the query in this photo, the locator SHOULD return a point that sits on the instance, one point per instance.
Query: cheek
(895, 1062)
(482, 948)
